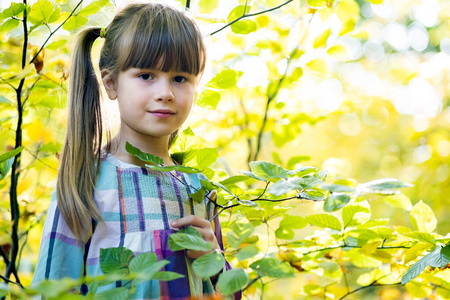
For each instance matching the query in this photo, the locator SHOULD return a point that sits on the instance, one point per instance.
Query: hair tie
(102, 32)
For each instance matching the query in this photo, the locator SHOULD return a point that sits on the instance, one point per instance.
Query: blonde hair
(145, 35)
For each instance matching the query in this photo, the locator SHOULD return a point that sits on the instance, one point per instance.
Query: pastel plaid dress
(137, 205)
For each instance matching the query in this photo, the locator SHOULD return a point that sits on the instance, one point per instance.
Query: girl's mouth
(162, 113)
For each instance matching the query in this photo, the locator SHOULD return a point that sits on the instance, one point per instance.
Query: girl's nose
(164, 90)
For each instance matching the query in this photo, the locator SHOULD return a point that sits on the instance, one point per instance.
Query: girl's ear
(109, 82)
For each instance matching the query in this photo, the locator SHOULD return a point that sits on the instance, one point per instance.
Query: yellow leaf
(317, 66)
(422, 217)
(321, 39)
(262, 20)
(418, 290)
(370, 248)
(347, 10)
(347, 27)
(337, 51)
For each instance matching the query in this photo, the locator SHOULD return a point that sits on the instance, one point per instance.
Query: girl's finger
(191, 221)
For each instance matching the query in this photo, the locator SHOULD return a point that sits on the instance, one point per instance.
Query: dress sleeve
(61, 254)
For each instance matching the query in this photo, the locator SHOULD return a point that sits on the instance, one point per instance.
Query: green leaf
(9, 25)
(422, 237)
(179, 168)
(422, 217)
(10, 154)
(207, 6)
(296, 74)
(252, 175)
(145, 157)
(324, 221)
(285, 186)
(335, 202)
(294, 222)
(398, 200)
(185, 146)
(240, 231)
(3, 99)
(41, 11)
(272, 267)
(93, 7)
(180, 241)
(232, 281)
(52, 147)
(356, 214)
(167, 276)
(190, 230)
(209, 98)
(322, 38)
(225, 79)
(114, 260)
(247, 252)
(142, 261)
(149, 272)
(206, 157)
(7, 160)
(318, 3)
(312, 195)
(13, 10)
(238, 12)
(247, 203)
(53, 288)
(199, 195)
(56, 44)
(233, 179)
(208, 265)
(75, 22)
(337, 188)
(55, 15)
(385, 185)
(120, 293)
(439, 258)
(285, 233)
(268, 170)
(244, 27)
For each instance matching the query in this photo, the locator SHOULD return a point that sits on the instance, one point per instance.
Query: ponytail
(80, 157)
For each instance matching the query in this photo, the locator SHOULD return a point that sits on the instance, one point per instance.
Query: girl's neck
(154, 145)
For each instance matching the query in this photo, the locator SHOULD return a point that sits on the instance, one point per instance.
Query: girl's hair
(145, 35)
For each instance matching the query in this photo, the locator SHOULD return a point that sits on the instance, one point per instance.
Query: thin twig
(373, 284)
(10, 281)
(54, 31)
(13, 87)
(251, 15)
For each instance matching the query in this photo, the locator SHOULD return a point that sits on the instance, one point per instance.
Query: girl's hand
(203, 226)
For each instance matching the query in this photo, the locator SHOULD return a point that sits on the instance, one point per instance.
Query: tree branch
(14, 204)
(54, 31)
(251, 15)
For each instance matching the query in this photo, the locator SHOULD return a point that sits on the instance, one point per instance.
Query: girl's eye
(179, 79)
(145, 76)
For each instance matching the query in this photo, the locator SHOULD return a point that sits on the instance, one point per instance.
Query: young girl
(151, 62)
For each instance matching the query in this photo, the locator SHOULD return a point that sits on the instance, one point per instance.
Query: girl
(151, 62)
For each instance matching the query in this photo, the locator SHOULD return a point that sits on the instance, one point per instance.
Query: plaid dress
(137, 205)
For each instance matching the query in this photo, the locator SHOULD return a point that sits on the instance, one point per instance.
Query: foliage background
(358, 88)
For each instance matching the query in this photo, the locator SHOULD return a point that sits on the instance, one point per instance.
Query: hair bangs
(165, 42)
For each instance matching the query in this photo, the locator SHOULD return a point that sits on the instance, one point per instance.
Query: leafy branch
(251, 15)
(54, 31)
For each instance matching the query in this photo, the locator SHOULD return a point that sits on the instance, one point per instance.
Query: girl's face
(152, 103)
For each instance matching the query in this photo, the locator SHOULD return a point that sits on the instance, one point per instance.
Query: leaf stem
(251, 15)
